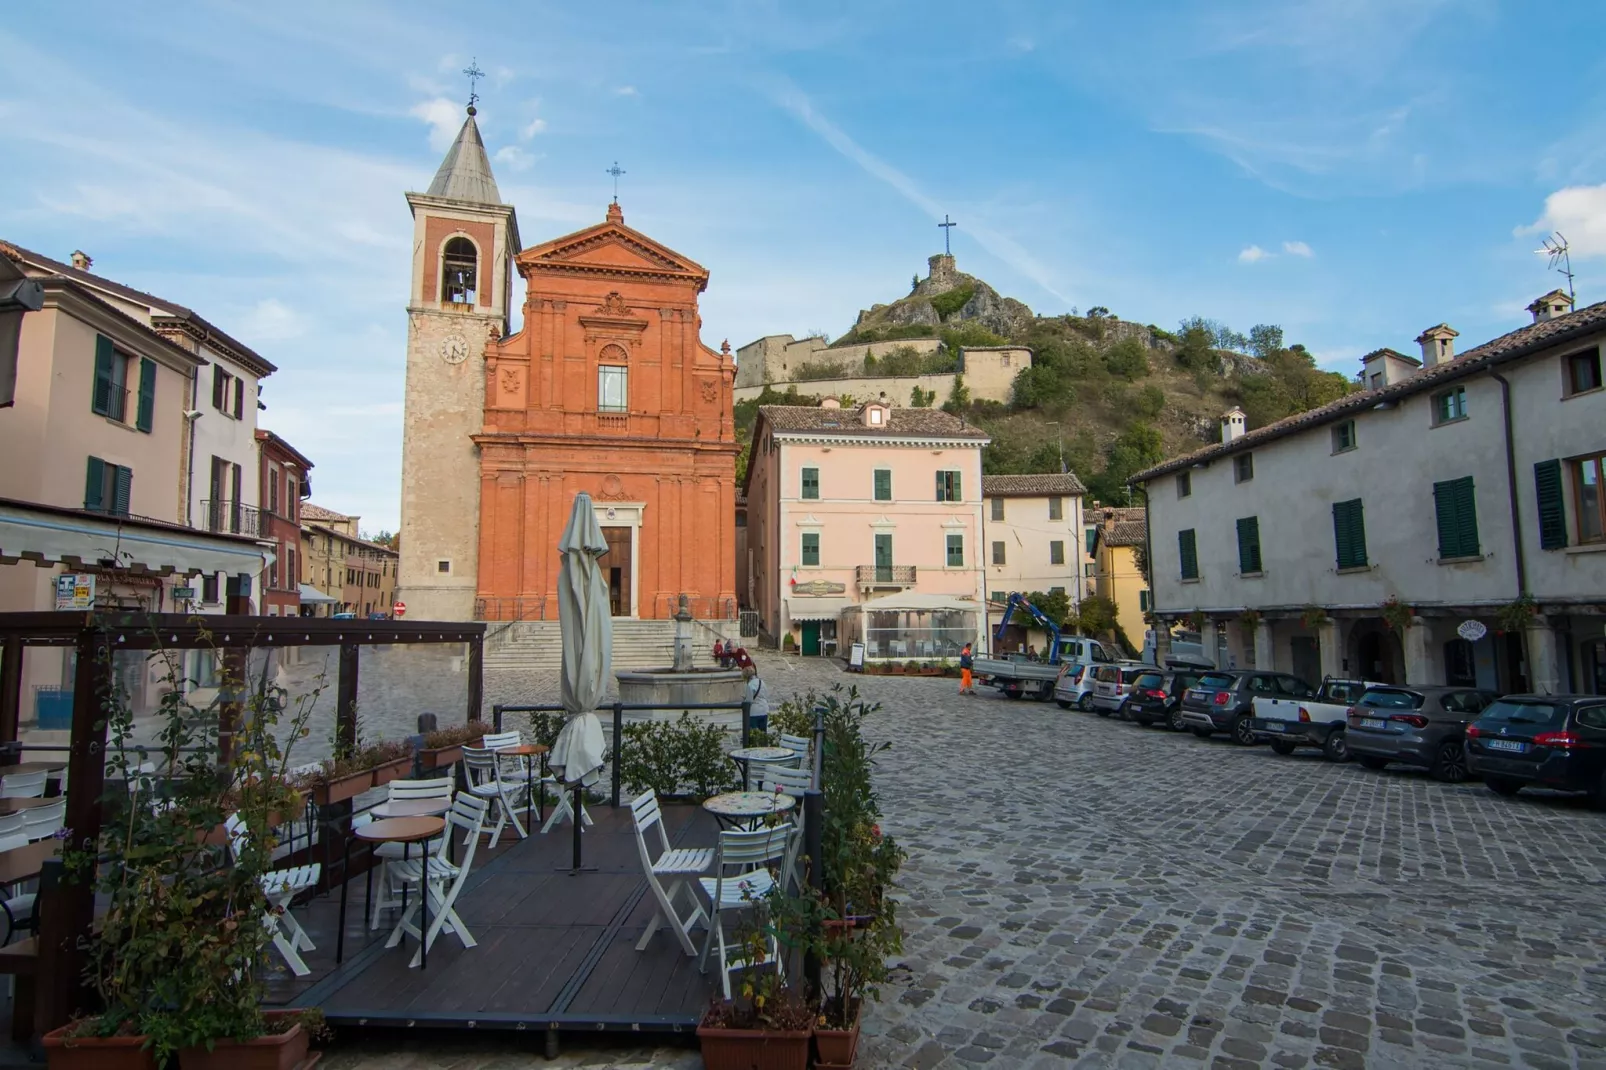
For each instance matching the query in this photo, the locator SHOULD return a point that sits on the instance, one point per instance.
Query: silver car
(1111, 685)
(1074, 687)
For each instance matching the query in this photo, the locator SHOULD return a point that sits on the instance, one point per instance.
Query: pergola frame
(66, 909)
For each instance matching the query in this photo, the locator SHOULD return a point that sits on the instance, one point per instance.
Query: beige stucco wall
(1026, 532)
(989, 374)
(1116, 577)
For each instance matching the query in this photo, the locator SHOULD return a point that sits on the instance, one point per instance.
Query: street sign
(1472, 630)
(75, 590)
(400, 609)
(184, 594)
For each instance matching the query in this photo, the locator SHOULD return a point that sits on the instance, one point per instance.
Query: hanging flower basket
(1312, 617)
(1197, 620)
(1396, 615)
(1516, 616)
(1249, 619)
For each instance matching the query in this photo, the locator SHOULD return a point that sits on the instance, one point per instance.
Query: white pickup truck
(1314, 720)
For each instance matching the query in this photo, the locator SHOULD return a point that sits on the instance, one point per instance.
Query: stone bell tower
(464, 241)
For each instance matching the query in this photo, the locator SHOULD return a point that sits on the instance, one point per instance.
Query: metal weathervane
(474, 75)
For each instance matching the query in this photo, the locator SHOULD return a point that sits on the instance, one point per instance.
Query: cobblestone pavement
(1085, 892)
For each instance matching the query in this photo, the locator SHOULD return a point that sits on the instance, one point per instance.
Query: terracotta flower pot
(441, 757)
(96, 1053)
(384, 774)
(753, 1049)
(838, 1047)
(347, 787)
(275, 1051)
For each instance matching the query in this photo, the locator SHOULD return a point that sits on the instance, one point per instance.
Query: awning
(915, 601)
(69, 537)
(816, 608)
(311, 596)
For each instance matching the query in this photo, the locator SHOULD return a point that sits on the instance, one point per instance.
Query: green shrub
(545, 727)
(946, 304)
(1127, 359)
(684, 757)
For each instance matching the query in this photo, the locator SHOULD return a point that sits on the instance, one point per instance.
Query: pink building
(865, 524)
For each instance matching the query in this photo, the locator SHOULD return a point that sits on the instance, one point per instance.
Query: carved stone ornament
(454, 349)
(613, 488)
(510, 380)
(710, 390)
(614, 305)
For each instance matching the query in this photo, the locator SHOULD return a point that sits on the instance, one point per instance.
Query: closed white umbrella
(586, 624)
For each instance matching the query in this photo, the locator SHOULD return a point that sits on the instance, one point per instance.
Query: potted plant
(1396, 615)
(445, 748)
(337, 780)
(768, 1024)
(390, 760)
(173, 956)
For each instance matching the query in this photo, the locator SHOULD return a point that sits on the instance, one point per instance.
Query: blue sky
(1355, 170)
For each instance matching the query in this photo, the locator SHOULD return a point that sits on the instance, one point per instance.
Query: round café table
(411, 808)
(403, 830)
(736, 807)
(746, 756)
(528, 751)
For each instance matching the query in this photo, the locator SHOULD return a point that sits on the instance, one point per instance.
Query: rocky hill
(946, 296)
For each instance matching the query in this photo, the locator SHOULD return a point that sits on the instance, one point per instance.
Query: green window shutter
(95, 486)
(101, 401)
(883, 485)
(939, 486)
(956, 551)
(147, 394)
(1188, 550)
(1249, 544)
(1349, 533)
(1143, 601)
(954, 493)
(1455, 507)
(811, 548)
(1552, 508)
(122, 489)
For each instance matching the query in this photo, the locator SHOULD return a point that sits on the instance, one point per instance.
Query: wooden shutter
(105, 354)
(122, 489)
(1349, 533)
(1188, 550)
(1249, 544)
(147, 394)
(1552, 507)
(239, 399)
(883, 485)
(955, 493)
(95, 486)
(219, 381)
(1456, 510)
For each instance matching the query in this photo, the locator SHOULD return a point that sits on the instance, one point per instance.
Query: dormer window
(459, 272)
(875, 415)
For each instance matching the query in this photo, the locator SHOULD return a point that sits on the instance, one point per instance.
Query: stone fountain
(682, 684)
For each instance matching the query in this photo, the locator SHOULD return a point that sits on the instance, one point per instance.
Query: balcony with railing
(884, 577)
(231, 518)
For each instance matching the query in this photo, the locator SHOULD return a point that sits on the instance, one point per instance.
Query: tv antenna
(1555, 247)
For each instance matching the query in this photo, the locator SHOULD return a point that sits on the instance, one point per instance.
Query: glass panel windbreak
(918, 634)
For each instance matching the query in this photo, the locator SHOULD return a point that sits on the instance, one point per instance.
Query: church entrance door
(618, 566)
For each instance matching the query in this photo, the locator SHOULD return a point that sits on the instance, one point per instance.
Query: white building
(1444, 524)
(1031, 541)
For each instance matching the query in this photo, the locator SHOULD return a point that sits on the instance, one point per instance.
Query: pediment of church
(610, 248)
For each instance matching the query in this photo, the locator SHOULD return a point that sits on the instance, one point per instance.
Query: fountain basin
(672, 691)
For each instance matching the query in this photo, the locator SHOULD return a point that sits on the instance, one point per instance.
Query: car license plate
(1373, 722)
(1198, 696)
(1274, 726)
(1510, 745)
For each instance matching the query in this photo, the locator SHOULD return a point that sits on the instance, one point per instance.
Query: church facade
(605, 388)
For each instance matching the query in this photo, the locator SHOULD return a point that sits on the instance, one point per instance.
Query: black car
(1155, 697)
(1541, 741)
(1423, 727)
(1224, 700)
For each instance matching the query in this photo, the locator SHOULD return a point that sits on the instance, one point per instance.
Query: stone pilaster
(1418, 665)
(1544, 662)
(1331, 647)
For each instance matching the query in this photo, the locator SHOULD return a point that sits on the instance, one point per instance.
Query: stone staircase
(537, 646)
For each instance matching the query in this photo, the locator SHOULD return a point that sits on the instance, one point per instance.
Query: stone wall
(989, 376)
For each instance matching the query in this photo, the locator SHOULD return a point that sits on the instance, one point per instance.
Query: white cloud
(1000, 245)
(1021, 43)
(626, 91)
(445, 118)
(1298, 248)
(1253, 254)
(1579, 213)
(271, 320)
(532, 128)
(514, 158)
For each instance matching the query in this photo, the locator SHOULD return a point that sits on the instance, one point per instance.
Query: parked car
(1019, 676)
(1423, 727)
(1290, 721)
(1223, 700)
(1074, 687)
(1541, 741)
(1155, 697)
(1112, 683)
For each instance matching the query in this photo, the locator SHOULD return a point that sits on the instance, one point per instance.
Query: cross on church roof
(615, 171)
(474, 75)
(946, 226)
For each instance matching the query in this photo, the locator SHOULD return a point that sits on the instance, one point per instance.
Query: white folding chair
(793, 782)
(467, 813)
(564, 808)
(23, 785)
(281, 886)
(387, 853)
(484, 768)
(18, 909)
(43, 822)
(673, 864)
(518, 772)
(799, 746)
(741, 879)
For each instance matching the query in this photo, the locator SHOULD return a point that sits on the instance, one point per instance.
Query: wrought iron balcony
(231, 518)
(884, 575)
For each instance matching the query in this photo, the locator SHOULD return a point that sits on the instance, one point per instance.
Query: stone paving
(1085, 892)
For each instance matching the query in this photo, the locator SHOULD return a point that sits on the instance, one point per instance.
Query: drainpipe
(1516, 514)
(981, 563)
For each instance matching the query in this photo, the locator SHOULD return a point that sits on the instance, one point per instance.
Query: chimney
(1233, 424)
(81, 260)
(1385, 367)
(830, 403)
(1438, 344)
(1553, 304)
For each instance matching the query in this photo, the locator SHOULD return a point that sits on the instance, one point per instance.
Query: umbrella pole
(576, 869)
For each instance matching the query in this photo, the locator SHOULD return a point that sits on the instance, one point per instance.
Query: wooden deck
(555, 951)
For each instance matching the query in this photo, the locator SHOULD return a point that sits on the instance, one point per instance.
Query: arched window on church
(613, 380)
(460, 263)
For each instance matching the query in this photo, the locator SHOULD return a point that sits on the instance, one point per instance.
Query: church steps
(536, 646)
